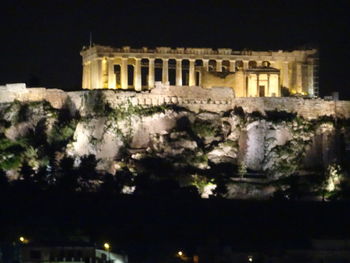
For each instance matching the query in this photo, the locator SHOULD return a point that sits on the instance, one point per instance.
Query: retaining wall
(215, 100)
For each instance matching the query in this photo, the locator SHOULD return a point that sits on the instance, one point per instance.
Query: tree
(87, 172)
(67, 179)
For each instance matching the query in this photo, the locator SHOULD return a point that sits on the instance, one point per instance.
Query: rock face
(233, 154)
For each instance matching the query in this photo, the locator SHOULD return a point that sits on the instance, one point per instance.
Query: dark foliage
(279, 116)
(239, 112)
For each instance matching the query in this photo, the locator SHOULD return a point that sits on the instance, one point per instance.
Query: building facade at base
(248, 73)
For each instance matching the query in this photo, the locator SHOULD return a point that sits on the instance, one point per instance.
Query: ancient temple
(248, 73)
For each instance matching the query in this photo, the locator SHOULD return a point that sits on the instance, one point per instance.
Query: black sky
(41, 39)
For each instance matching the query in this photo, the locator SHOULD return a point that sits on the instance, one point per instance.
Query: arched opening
(198, 78)
(225, 66)
(117, 76)
(266, 64)
(158, 68)
(239, 64)
(252, 64)
(172, 72)
(212, 65)
(198, 69)
(130, 75)
(198, 64)
(185, 72)
(144, 73)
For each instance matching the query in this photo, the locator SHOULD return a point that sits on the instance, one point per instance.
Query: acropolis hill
(190, 111)
(196, 78)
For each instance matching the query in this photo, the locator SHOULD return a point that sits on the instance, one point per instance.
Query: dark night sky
(42, 39)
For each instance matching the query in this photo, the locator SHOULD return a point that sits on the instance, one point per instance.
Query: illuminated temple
(248, 73)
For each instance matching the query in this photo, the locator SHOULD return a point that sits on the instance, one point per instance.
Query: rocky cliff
(231, 153)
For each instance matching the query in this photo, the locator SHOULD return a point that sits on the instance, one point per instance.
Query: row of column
(165, 72)
(151, 73)
(96, 72)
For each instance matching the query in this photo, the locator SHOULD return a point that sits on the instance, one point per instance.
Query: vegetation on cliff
(168, 150)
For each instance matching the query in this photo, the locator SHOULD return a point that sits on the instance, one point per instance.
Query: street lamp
(23, 240)
(107, 247)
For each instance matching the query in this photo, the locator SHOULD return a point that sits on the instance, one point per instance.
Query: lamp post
(23, 240)
(107, 248)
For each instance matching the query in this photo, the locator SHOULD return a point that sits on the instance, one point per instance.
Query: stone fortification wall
(193, 98)
(18, 91)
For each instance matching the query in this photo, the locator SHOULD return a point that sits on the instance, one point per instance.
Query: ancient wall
(18, 91)
(193, 98)
(220, 79)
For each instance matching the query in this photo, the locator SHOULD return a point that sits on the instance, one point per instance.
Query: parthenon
(248, 73)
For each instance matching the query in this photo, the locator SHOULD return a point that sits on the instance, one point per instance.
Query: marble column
(178, 72)
(268, 86)
(96, 69)
(299, 85)
(257, 86)
(137, 75)
(206, 64)
(310, 77)
(232, 65)
(124, 73)
(285, 74)
(165, 71)
(245, 64)
(151, 73)
(192, 73)
(218, 65)
(86, 76)
(111, 74)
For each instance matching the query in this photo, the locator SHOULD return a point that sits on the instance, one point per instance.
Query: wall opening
(239, 64)
(225, 66)
(158, 68)
(144, 73)
(198, 69)
(212, 65)
(261, 91)
(185, 72)
(130, 75)
(252, 64)
(117, 76)
(172, 72)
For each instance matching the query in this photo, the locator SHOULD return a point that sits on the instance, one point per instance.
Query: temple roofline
(193, 51)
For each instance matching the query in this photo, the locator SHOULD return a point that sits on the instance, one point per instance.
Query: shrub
(203, 128)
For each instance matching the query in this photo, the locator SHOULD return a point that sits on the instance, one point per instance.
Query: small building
(35, 253)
